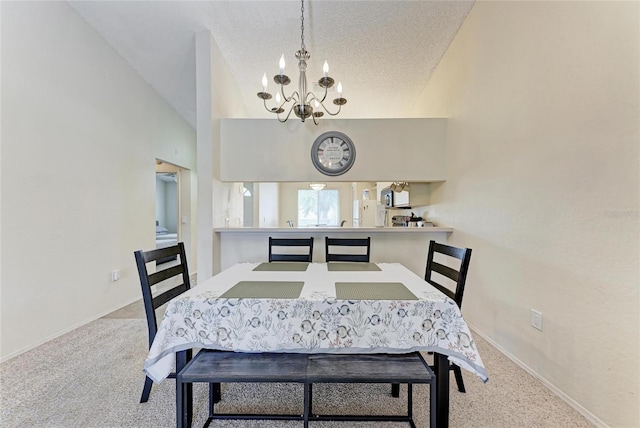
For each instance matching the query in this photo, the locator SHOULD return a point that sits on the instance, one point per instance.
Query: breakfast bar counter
(335, 229)
(406, 245)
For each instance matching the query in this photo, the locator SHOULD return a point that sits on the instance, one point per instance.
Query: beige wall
(543, 184)
(386, 149)
(215, 87)
(80, 134)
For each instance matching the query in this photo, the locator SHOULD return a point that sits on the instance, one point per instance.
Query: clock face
(333, 153)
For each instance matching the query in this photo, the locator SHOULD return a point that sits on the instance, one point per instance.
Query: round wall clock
(333, 153)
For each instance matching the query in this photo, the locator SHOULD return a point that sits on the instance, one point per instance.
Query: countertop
(307, 230)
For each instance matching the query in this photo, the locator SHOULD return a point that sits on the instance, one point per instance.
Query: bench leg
(182, 358)
(179, 403)
(410, 400)
(216, 392)
(306, 404)
(432, 404)
(395, 390)
(441, 365)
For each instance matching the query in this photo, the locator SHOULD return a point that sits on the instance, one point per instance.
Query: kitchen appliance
(386, 197)
(405, 220)
(381, 215)
(394, 199)
(401, 199)
(400, 221)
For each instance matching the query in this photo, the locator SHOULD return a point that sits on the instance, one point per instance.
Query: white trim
(570, 401)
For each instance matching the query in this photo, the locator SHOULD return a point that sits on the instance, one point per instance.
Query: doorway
(173, 205)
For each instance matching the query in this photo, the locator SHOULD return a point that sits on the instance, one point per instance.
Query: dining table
(335, 307)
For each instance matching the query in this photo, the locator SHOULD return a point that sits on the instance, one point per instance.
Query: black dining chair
(454, 288)
(276, 248)
(173, 279)
(335, 249)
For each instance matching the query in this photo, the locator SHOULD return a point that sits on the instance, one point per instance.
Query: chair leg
(146, 390)
(458, 374)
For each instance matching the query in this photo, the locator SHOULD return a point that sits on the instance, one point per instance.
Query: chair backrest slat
(275, 256)
(333, 256)
(163, 298)
(450, 273)
(160, 253)
(163, 275)
(458, 276)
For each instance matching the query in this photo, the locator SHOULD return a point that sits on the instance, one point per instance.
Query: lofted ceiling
(383, 52)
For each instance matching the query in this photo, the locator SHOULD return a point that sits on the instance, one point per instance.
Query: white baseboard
(570, 401)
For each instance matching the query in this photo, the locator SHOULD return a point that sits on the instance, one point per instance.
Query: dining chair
(173, 280)
(335, 249)
(275, 254)
(455, 287)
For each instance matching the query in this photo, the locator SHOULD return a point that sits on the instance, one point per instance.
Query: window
(318, 208)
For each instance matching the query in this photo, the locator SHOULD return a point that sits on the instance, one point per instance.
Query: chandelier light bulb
(264, 82)
(282, 63)
(325, 69)
(278, 98)
(340, 89)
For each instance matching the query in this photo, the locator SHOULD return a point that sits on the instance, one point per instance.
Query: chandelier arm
(324, 107)
(264, 102)
(313, 96)
(324, 97)
(332, 114)
(294, 96)
(288, 114)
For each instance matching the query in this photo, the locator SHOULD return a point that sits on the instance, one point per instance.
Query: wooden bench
(217, 366)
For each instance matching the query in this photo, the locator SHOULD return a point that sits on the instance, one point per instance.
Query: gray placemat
(283, 267)
(349, 266)
(373, 291)
(264, 290)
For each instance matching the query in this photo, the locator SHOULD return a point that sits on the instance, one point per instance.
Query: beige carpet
(91, 377)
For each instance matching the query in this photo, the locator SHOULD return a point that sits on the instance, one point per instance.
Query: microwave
(386, 197)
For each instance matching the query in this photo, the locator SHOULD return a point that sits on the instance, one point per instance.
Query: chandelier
(304, 104)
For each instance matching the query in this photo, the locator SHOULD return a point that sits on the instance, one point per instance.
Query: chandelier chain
(302, 46)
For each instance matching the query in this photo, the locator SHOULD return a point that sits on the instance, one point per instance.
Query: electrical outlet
(536, 319)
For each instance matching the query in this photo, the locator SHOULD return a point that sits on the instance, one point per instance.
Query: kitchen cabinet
(417, 195)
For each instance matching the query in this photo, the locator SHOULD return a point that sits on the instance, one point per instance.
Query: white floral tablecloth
(315, 322)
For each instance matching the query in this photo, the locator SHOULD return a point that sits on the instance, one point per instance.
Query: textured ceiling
(383, 52)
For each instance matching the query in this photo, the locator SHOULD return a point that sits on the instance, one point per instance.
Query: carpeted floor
(92, 377)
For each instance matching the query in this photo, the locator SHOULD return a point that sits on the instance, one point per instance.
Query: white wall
(80, 135)
(543, 184)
